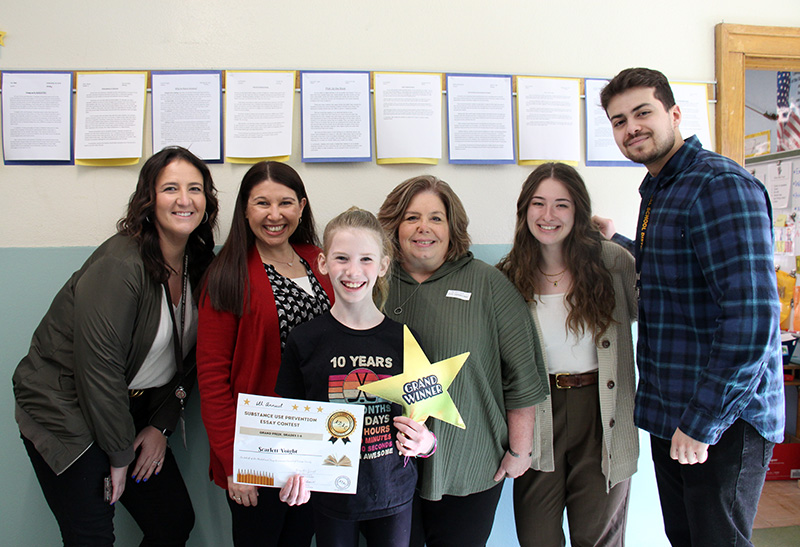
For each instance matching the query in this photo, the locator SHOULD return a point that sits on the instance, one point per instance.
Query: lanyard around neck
(177, 335)
(643, 232)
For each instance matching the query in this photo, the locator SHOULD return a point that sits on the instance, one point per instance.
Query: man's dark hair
(638, 77)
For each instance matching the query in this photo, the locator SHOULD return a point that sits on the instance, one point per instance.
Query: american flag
(788, 116)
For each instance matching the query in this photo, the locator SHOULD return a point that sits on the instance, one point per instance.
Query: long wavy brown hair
(591, 298)
(139, 221)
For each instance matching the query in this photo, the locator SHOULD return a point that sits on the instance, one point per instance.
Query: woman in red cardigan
(263, 283)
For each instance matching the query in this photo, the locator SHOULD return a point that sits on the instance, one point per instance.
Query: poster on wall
(258, 115)
(187, 111)
(335, 120)
(692, 99)
(408, 117)
(548, 112)
(601, 148)
(109, 121)
(37, 118)
(480, 121)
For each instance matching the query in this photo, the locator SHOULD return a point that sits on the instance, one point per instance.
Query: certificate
(277, 438)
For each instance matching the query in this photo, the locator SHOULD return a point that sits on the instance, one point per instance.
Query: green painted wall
(29, 278)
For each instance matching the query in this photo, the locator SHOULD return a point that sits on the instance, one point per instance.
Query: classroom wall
(52, 216)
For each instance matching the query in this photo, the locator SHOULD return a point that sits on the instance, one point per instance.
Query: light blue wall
(29, 278)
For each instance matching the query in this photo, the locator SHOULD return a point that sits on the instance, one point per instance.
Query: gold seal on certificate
(341, 425)
(277, 438)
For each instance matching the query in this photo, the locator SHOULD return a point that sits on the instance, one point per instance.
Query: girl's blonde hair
(356, 218)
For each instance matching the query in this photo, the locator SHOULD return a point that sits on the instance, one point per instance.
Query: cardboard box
(785, 462)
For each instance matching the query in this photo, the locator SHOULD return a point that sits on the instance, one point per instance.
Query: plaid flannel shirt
(709, 342)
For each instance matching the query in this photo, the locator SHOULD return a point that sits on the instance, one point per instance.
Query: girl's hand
(294, 492)
(243, 494)
(413, 438)
(151, 456)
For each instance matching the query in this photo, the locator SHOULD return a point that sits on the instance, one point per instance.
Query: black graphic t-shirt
(326, 361)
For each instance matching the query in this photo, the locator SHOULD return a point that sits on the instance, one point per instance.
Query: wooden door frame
(738, 48)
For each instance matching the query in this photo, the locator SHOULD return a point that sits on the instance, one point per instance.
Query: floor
(779, 505)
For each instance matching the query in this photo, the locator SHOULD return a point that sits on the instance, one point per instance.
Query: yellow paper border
(759, 134)
(113, 162)
(396, 161)
(581, 91)
(241, 160)
(256, 160)
(393, 161)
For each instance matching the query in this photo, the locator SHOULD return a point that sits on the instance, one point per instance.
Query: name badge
(461, 295)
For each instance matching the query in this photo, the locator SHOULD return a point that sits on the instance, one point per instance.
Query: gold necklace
(290, 264)
(559, 275)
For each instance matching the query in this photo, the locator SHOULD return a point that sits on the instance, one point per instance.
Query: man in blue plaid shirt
(710, 386)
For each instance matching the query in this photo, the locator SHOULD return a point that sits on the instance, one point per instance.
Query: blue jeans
(713, 503)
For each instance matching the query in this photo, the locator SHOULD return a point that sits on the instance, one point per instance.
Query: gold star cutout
(319, 409)
(422, 387)
(308, 408)
(2, 35)
(294, 407)
(247, 401)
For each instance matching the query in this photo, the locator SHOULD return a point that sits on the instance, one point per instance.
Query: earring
(205, 218)
(299, 220)
(147, 218)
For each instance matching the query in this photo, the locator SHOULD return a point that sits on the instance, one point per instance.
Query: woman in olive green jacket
(111, 362)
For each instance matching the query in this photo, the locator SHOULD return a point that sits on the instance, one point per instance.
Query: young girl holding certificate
(352, 345)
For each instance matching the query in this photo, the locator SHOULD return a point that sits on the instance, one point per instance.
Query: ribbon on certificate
(341, 424)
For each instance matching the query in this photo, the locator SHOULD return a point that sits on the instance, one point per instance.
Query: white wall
(56, 206)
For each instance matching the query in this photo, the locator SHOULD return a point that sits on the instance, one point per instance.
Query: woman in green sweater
(459, 304)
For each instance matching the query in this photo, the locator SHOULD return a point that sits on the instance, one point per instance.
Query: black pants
(455, 521)
(391, 531)
(161, 506)
(271, 522)
(713, 503)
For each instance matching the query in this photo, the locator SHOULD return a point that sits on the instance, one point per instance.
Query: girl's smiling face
(354, 261)
(551, 213)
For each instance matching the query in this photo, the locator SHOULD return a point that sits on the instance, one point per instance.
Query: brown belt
(564, 380)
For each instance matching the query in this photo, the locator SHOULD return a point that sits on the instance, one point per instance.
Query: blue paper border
(513, 160)
(598, 163)
(71, 160)
(370, 107)
(221, 110)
